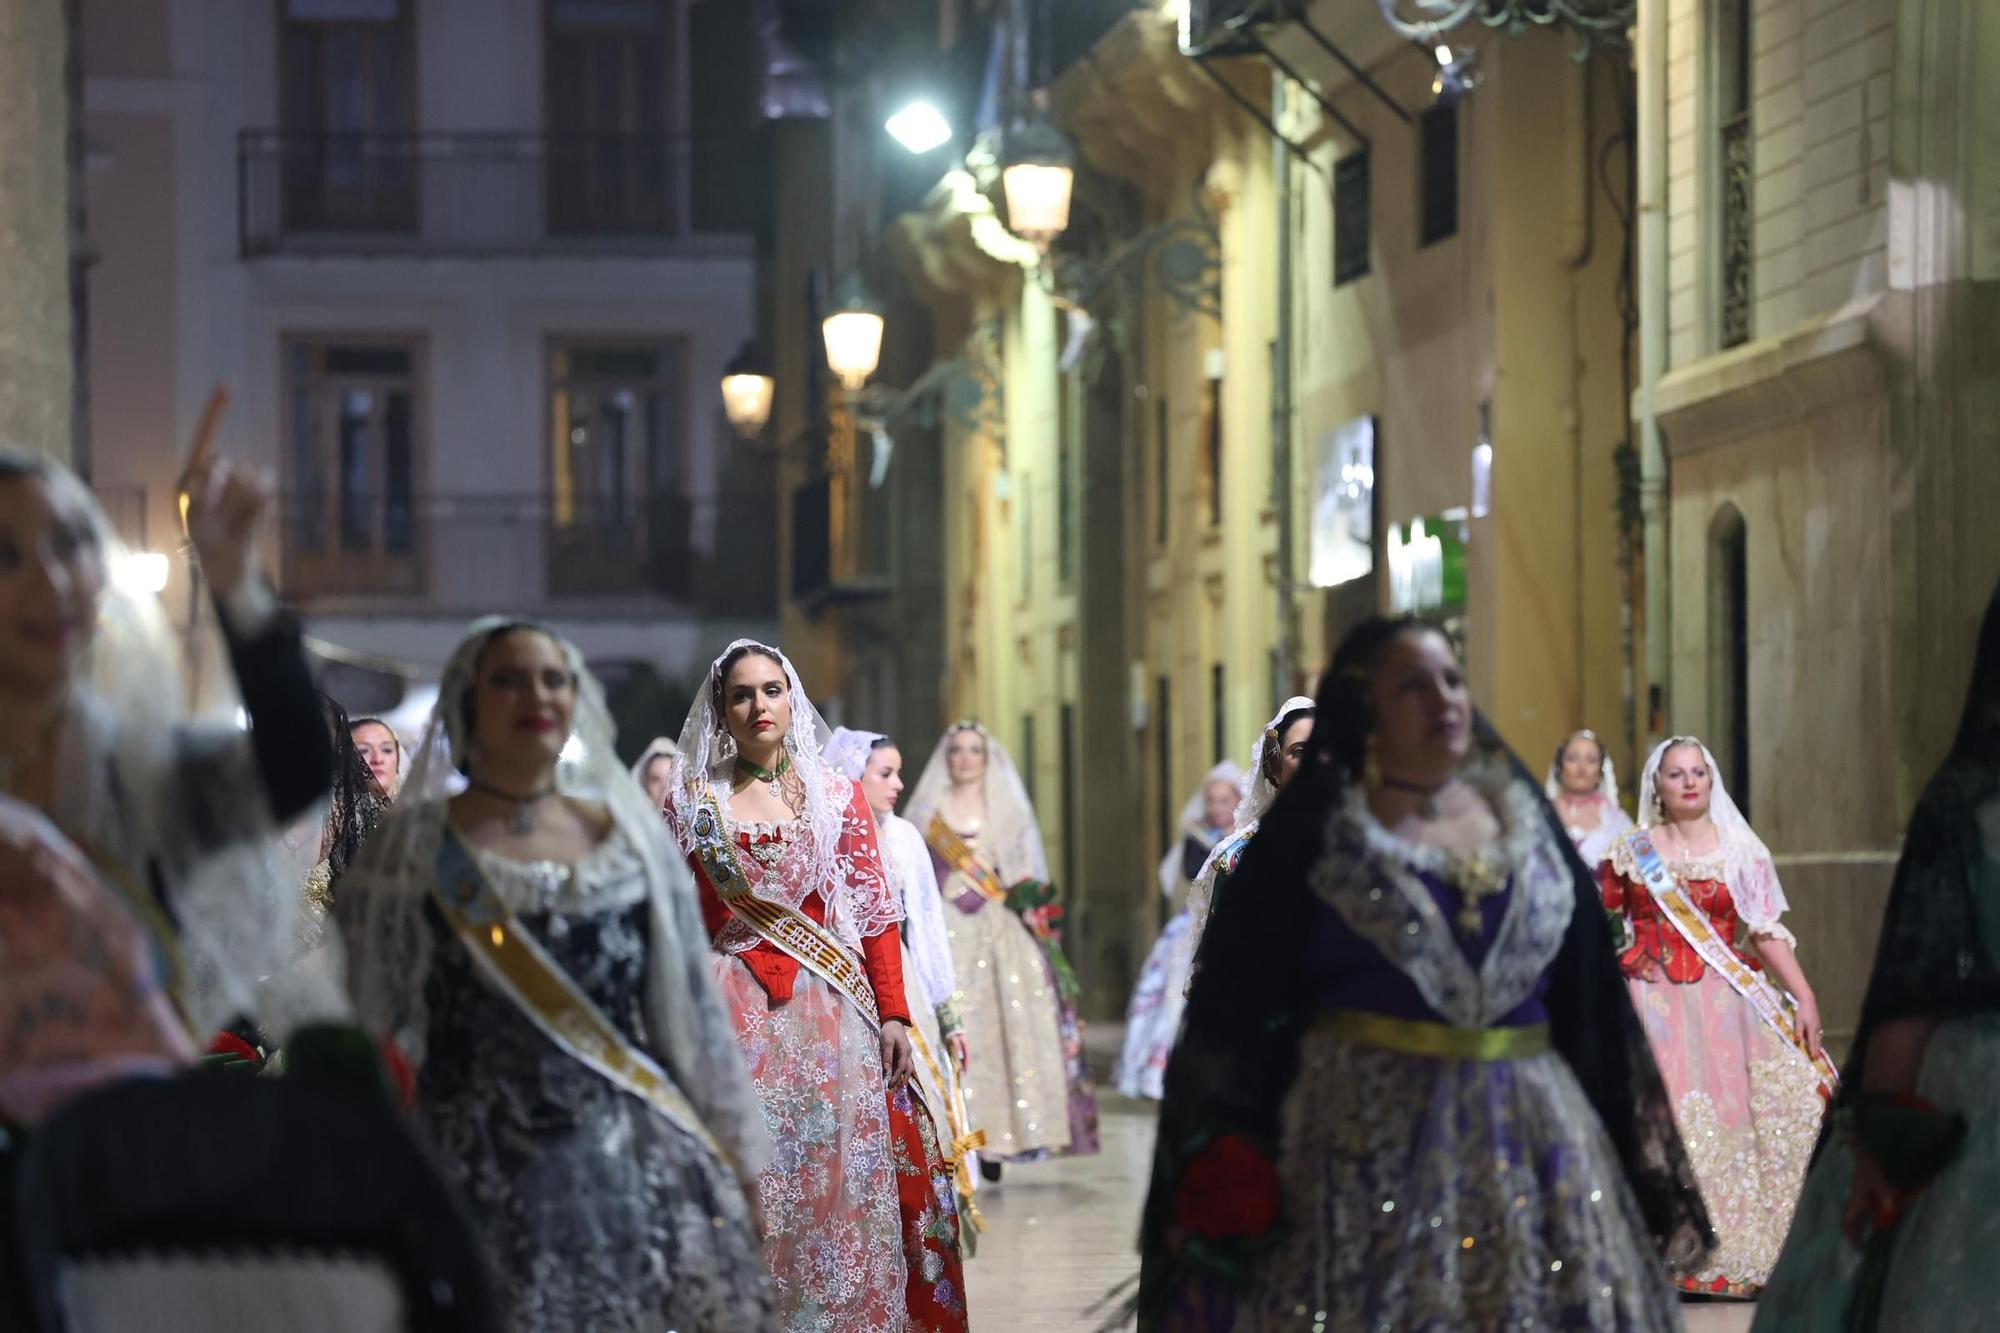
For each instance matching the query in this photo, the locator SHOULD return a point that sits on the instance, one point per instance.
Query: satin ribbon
(1434, 1041)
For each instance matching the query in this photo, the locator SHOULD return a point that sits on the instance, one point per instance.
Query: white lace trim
(608, 877)
(1370, 877)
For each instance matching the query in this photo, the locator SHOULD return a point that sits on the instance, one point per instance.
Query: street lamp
(853, 334)
(1037, 175)
(919, 127)
(747, 389)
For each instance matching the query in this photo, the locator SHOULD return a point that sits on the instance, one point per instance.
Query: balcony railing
(464, 193)
(462, 555)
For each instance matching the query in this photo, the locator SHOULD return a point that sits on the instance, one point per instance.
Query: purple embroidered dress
(1491, 1194)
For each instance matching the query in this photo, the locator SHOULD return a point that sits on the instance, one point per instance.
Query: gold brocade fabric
(1015, 1089)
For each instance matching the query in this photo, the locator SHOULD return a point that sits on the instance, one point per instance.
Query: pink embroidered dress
(1747, 1100)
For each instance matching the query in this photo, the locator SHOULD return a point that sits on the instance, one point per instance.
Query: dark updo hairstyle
(728, 664)
(468, 714)
(1346, 714)
(1273, 748)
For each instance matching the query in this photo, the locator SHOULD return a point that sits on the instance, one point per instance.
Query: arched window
(1729, 650)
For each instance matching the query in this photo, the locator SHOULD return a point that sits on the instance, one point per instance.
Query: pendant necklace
(522, 821)
(765, 775)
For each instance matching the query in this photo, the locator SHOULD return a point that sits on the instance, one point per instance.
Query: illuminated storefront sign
(1343, 504)
(1427, 563)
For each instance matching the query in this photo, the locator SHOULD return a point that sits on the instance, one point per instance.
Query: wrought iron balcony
(463, 555)
(466, 193)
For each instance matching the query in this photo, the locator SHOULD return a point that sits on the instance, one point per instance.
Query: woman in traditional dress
(655, 770)
(859, 1220)
(1584, 786)
(352, 817)
(1029, 1085)
(1898, 1211)
(181, 817)
(1153, 1018)
(1741, 1057)
(928, 980)
(534, 946)
(1274, 757)
(377, 744)
(1411, 1092)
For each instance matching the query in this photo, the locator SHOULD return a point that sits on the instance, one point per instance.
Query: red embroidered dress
(842, 1235)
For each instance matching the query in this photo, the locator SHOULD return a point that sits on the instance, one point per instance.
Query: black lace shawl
(1251, 999)
(359, 805)
(1931, 961)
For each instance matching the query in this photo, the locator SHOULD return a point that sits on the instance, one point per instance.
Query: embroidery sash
(795, 934)
(510, 958)
(958, 854)
(963, 1142)
(1772, 1004)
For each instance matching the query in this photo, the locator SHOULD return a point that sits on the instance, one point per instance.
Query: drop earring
(726, 747)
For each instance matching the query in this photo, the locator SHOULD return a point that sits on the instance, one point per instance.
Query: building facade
(1819, 292)
(472, 272)
(1313, 344)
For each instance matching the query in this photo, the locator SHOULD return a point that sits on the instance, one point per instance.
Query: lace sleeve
(1760, 899)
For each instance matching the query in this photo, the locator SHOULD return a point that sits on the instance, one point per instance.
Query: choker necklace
(522, 821)
(1429, 793)
(765, 775)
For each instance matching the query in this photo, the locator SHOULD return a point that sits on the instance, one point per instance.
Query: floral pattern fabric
(596, 1211)
(831, 1212)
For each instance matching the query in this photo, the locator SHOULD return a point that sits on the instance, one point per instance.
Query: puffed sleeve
(1760, 900)
(868, 882)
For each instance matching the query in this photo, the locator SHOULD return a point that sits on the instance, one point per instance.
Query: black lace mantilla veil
(1930, 962)
(1250, 1002)
(358, 804)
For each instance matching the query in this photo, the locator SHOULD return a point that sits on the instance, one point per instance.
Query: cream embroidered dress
(1015, 1089)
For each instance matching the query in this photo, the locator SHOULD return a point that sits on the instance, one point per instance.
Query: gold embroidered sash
(517, 966)
(964, 1142)
(958, 854)
(1772, 1004)
(794, 933)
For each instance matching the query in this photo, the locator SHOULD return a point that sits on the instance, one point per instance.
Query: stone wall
(36, 359)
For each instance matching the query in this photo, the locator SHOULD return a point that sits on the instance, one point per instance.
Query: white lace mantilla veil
(660, 748)
(1256, 800)
(122, 761)
(860, 901)
(1191, 825)
(1752, 876)
(847, 750)
(390, 943)
(1607, 781)
(1011, 838)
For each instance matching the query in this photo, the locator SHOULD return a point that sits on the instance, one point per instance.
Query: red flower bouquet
(1228, 1191)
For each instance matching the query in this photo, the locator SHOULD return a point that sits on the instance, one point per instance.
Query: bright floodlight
(920, 127)
(141, 573)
